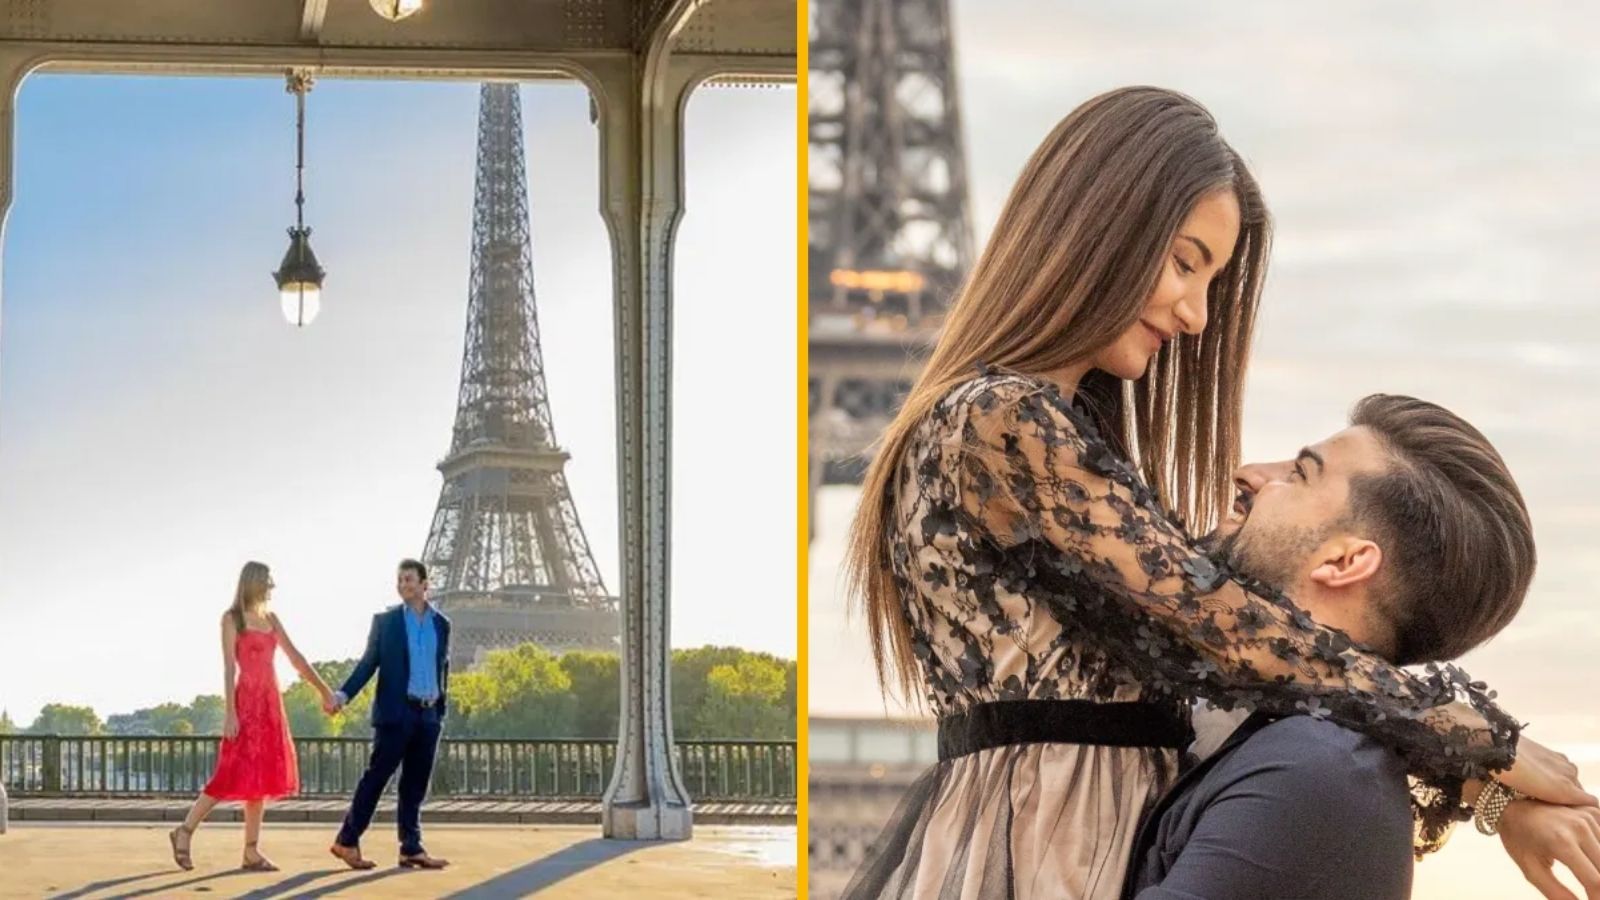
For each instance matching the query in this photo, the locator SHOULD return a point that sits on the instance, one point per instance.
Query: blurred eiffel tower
(890, 230)
(890, 241)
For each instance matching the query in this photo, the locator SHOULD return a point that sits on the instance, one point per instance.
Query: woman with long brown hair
(1020, 550)
(257, 762)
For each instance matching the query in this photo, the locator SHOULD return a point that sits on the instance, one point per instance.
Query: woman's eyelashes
(1183, 267)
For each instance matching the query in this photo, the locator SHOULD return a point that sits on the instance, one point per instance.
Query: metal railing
(567, 769)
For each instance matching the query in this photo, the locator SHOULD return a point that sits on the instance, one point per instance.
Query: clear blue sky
(160, 423)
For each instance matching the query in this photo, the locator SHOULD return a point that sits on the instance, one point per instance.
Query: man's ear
(1349, 563)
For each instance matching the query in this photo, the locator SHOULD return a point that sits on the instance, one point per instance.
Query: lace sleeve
(1098, 548)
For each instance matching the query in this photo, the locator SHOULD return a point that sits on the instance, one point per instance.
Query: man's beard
(1272, 556)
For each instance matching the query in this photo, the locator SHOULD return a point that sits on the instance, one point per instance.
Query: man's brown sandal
(180, 855)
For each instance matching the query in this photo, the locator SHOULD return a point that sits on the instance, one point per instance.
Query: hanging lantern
(395, 10)
(299, 277)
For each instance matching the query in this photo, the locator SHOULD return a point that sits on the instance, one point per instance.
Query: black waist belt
(419, 703)
(1006, 722)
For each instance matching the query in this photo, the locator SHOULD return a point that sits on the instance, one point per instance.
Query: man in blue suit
(409, 649)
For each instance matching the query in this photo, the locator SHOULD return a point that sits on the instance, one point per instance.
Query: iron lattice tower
(890, 229)
(506, 554)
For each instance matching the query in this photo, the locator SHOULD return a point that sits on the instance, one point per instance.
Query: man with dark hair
(1407, 532)
(409, 649)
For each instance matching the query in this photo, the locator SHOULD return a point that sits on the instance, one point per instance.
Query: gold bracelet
(1491, 805)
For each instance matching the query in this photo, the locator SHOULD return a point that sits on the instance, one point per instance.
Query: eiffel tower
(890, 241)
(890, 231)
(507, 557)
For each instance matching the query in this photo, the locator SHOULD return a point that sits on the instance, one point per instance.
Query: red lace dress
(259, 763)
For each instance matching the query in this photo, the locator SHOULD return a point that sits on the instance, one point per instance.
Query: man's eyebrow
(1314, 456)
(1204, 250)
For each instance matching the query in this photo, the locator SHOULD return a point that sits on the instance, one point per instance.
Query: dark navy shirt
(1297, 808)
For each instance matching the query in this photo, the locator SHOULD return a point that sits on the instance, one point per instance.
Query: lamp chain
(299, 83)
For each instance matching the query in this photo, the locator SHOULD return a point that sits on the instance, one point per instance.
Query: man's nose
(1253, 477)
(1249, 477)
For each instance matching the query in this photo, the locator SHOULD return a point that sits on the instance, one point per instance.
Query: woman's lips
(1154, 333)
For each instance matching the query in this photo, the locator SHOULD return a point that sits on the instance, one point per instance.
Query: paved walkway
(476, 812)
(93, 861)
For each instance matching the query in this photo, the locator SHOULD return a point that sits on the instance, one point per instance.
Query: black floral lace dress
(1045, 585)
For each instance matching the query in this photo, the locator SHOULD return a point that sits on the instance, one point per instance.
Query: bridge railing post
(50, 763)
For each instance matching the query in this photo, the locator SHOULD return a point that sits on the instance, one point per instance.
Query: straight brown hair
(252, 591)
(1071, 263)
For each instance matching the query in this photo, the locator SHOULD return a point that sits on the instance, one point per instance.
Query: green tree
(744, 700)
(791, 695)
(6, 725)
(60, 718)
(523, 692)
(472, 705)
(206, 713)
(335, 672)
(170, 718)
(595, 689)
(692, 690)
(690, 667)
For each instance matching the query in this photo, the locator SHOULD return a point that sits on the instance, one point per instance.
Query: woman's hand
(230, 725)
(1537, 835)
(1544, 774)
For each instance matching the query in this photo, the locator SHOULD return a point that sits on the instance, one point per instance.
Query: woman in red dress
(257, 761)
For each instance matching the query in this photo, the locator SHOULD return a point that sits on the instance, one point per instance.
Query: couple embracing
(408, 649)
(1058, 551)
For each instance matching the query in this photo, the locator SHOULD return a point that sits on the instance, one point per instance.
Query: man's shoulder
(1326, 760)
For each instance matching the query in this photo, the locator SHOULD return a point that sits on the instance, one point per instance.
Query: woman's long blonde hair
(1071, 263)
(255, 580)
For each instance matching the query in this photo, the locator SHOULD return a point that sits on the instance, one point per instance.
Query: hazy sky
(160, 423)
(1432, 168)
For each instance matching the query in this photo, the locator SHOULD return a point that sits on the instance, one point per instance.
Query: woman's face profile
(1202, 247)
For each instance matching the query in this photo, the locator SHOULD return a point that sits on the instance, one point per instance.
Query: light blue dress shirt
(422, 639)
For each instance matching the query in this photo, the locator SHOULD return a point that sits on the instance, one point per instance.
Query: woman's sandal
(259, 864)
(180, 855)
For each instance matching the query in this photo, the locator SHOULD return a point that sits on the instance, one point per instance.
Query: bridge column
(641, 142)
(13, 65)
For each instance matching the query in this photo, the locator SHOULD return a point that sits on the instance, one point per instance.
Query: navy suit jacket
(389, 655)
(1289, 808)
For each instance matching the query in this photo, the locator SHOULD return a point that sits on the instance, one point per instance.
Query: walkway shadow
(341, 885)
(542, 873)
(168, 888)
(289, 884)
(88, 889)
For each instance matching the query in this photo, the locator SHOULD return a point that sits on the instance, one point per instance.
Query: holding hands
(332, 702)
